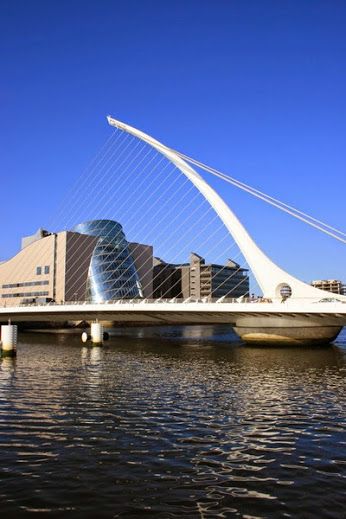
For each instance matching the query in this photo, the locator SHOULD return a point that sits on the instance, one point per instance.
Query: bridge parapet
(188, 301)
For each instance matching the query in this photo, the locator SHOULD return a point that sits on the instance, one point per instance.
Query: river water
(172, 423)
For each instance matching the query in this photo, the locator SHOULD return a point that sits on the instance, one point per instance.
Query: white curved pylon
(268, 275)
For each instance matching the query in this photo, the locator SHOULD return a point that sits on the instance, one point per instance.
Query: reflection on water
(172, 423)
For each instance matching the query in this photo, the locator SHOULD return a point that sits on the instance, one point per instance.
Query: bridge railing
(190, 300)
(134, 301)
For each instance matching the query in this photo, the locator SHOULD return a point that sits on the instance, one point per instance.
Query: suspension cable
(313, 222)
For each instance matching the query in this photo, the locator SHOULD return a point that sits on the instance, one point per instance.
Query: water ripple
(162, 427)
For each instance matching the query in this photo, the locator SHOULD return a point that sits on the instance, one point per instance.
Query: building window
(46, 269)
(23, 294)
(26, 284)
(38, 271)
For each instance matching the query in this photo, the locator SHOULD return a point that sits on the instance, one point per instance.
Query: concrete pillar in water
(97, 333)
(9, 333)
(287, 330)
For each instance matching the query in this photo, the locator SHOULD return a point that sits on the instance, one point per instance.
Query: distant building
(50, 266)
(214, 281)
(199, 280)
(170, 280)
(330, 285)
(93, 262)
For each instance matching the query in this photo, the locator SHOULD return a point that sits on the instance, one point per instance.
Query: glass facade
(112, 274)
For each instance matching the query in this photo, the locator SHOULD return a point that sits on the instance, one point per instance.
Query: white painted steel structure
(308, 315)
(269, 276)
(186, 312)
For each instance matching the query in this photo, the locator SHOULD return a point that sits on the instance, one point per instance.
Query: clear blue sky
(255, 88)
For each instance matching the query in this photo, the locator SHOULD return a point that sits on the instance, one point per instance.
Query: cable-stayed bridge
(290, 310)
(292, 322)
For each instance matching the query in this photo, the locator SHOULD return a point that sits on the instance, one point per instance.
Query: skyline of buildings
(199, 280)
(95, 262)
(335, 286)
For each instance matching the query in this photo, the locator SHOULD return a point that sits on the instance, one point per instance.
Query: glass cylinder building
(112, 273)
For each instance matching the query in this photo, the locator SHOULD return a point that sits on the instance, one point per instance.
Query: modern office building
(112, 273)
(214, 281)
(94, 262)
(199, 280)
(330, 285)
(50, 266)
(170, 280)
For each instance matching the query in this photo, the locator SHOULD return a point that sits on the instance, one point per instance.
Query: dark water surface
(191, 424)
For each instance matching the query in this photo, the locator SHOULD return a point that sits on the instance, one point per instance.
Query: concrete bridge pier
(9, 334)
(97, 334)
(287, 330)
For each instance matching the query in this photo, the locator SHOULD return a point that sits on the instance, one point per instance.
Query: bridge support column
(97, 333)
(9, 333)
(290, 330)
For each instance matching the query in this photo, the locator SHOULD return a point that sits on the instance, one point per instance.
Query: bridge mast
(270, 277)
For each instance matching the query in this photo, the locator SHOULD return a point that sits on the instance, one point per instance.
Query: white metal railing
(190, 300)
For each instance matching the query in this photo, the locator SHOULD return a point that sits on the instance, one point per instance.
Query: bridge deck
(169, 312)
